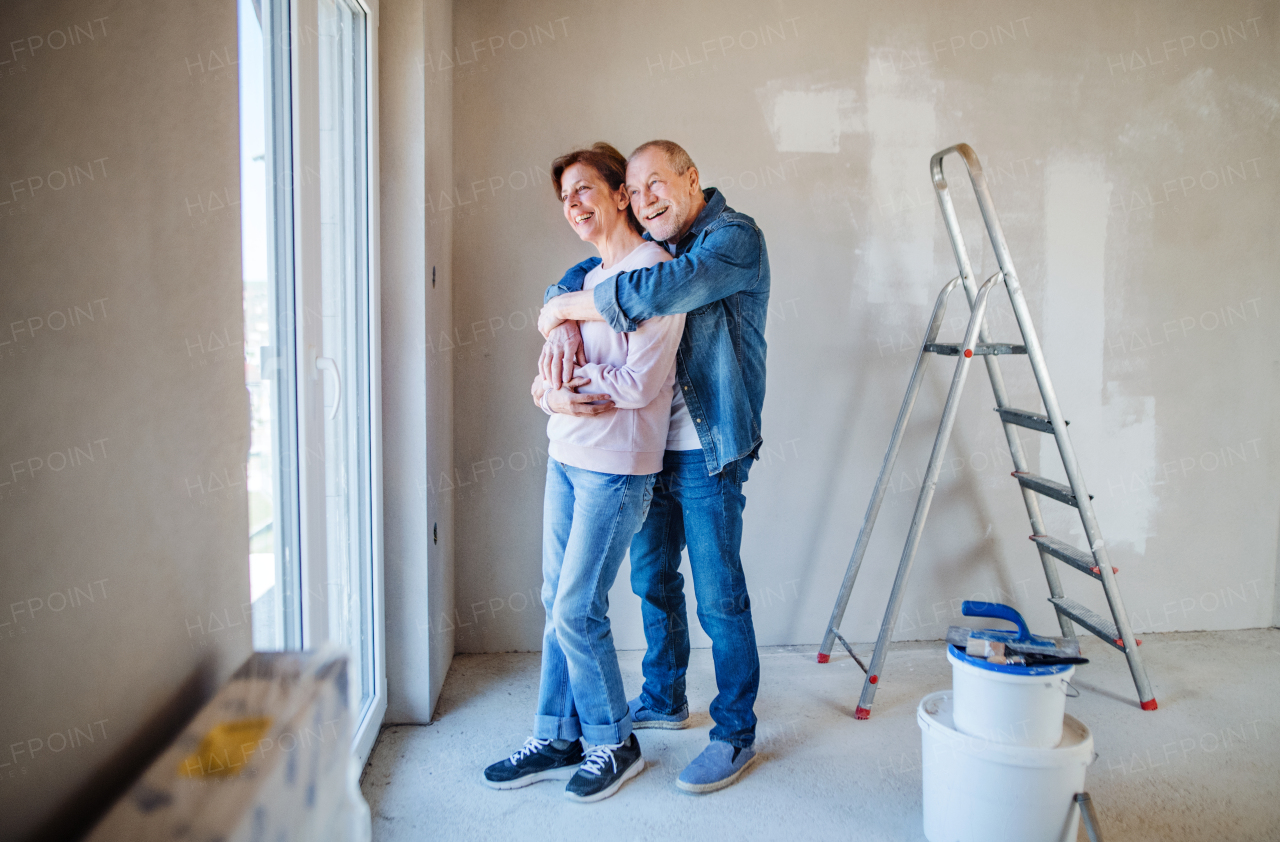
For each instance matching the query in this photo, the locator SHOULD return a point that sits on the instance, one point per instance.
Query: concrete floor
(1205, 766)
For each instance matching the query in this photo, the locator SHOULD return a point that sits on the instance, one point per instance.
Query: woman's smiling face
(589, 205)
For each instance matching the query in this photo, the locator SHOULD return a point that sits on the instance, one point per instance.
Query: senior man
(720, 278)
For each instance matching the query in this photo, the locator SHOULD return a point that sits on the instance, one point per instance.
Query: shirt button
(699, 420)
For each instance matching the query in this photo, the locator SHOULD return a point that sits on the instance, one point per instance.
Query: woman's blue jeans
(588, 521)
(704, 512)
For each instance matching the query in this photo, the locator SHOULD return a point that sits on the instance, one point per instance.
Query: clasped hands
(561, 354)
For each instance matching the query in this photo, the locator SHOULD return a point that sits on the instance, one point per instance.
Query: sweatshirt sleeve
(651, 354)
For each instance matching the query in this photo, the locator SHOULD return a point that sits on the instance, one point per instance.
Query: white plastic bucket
(981, 791)
(1016, 705)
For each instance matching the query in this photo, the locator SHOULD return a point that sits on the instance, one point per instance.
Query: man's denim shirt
(720, 277)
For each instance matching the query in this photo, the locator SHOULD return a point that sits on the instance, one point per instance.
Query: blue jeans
(588, 520)
(704, 512)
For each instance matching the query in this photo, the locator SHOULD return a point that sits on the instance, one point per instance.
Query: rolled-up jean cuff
(556, 727)
(618, 732)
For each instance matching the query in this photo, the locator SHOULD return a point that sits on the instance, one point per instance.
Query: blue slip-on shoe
(719, 766)
(643, 717)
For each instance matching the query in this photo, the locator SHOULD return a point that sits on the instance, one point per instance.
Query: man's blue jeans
(704, 512)
(588, 520)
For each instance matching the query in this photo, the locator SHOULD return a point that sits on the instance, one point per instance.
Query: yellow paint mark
(226, 749)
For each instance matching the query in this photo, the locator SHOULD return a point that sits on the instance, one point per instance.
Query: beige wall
(438, 138)
(1128, 148)
(124, 431)
(416, 156)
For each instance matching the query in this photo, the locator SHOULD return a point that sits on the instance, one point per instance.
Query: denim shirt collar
(715, 205)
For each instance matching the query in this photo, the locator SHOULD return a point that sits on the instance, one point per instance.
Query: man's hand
(537, 389)
(565, 401)
(570, 307)
(549, 318)
(560, 354)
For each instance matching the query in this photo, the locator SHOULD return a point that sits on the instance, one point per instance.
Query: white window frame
(306, 199)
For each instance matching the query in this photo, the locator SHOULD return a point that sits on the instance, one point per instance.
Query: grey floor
(1205, 766)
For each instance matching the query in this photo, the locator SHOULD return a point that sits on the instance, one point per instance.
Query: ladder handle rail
(1048, 396)
(988, 209)
(928, 485)
(886, 470)
(954, 234)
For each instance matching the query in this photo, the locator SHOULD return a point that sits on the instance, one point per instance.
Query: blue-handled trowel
(1021, 641)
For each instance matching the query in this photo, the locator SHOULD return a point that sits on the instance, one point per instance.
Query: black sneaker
(605, 769)
(536, 761)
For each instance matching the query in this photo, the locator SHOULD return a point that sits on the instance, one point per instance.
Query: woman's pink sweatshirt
(638, 370)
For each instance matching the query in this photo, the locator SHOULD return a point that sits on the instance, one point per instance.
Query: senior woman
(608, 432)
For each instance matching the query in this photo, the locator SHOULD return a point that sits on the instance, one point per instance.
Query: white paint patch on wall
(806, 121)
(1113, 434)
(1126, 447)
(901, 119)
(808, 117)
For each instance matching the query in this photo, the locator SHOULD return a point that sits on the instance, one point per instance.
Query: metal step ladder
(1093, 561)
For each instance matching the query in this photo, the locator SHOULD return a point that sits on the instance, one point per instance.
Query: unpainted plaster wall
(1127, 147)
(124, 422)
(416, 134)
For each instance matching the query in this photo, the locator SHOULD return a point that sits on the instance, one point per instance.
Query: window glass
(267, 260)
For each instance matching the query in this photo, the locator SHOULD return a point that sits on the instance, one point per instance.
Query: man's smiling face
(661, 199)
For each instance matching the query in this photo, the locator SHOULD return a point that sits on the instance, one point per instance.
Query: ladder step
(953, 349)
(1079, 559)
(1047, 487)
(1030, 420)
(1091, 620)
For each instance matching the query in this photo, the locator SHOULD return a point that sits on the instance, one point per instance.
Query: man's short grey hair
(677, 158)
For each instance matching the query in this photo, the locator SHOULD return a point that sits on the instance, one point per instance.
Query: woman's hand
(561, 353)
(566, 401)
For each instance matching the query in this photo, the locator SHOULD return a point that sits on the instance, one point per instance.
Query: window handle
(327, 364)
(267, 361)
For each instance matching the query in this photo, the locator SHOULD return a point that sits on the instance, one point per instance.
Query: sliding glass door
(311, 317)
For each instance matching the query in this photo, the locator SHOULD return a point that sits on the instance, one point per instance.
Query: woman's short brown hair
(608, 163)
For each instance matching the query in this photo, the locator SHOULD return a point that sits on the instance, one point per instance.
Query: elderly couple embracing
(653, 374)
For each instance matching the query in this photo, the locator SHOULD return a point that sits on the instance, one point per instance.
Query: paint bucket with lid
(1019, 700)
(1009, 703)
(978, 790)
